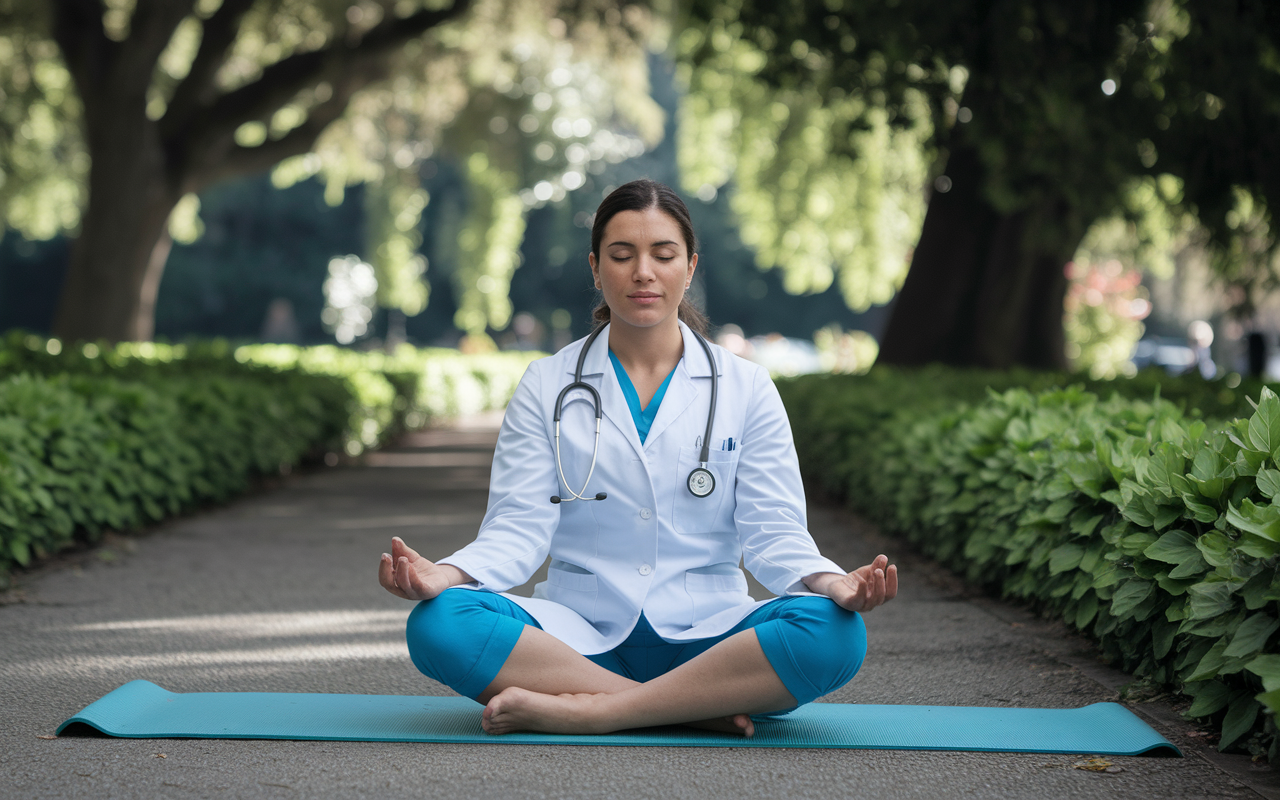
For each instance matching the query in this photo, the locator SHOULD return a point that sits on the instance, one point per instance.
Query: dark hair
(643, 195)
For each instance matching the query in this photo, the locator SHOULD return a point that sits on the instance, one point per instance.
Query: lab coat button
(645, 569)
(645, 513)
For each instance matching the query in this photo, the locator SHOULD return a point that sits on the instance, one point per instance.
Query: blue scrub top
(642, 417)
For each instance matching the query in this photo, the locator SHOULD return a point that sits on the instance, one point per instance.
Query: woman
(645, 618)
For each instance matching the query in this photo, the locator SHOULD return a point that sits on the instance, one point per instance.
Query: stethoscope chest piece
(701, 482)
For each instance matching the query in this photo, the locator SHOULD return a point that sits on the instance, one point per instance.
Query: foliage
(827, 184)
(1104, 307)
(845, 351)
(98, 438)
(350, 92)
(1084, 104)
(1147, 528)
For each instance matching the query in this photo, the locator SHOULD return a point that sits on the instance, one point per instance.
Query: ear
(595, 269)
(693, 266)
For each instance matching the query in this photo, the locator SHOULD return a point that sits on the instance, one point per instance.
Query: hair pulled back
(642, 195)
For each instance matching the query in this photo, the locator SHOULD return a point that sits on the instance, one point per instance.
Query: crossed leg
(545, 685)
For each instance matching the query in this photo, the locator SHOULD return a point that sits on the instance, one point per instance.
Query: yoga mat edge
(141, 709)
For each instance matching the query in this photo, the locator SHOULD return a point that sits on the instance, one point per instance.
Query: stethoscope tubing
(703, 455)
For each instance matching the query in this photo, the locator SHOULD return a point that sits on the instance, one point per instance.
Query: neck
(657, 348)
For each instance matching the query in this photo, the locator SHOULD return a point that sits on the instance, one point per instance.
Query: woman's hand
(860, 590)
(406, 574)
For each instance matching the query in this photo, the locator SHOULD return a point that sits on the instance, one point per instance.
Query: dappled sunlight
(221, 640)
(244, 626)
(78, 665)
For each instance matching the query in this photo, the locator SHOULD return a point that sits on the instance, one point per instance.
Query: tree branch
(150, 30)
(240, 161)
(281, 81)
(220, 32)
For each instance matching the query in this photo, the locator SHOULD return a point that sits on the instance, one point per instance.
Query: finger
(405, 551)
(891, 582)
(407, 580)
(876, 592)
(386, 576)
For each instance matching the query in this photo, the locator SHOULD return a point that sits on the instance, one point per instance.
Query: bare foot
(516, 709)
(739, 724)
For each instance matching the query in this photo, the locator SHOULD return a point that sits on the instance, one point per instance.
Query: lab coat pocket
(714, 589)
(569, 576)
(702, 582)
(690, 514)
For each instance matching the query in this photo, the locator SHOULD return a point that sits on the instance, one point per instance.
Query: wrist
(454, 576)
(820, 582)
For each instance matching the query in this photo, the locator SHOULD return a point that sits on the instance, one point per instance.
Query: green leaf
(1215, 548)
(1266, 667)
(1065, 557)
(1264, 425)
(1210, 698)
(1174, 547)
(1190, 568)
(1209, 599)
(1086, 610)
(1084, 526)
(1210, 663)
(18, 549)
(1269, 482)
(1252, 635)
(1128, 596)
(1261, 520)
(1239, 720)
(1270, 699)
(1162, 634)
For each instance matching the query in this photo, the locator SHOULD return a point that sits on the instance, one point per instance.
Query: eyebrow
(655, 244)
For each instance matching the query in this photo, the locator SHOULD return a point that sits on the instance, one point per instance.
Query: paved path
(278, 593)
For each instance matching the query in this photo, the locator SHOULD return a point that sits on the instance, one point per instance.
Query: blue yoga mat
(140, 709)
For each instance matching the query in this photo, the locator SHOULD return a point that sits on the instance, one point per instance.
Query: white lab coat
(652, 546)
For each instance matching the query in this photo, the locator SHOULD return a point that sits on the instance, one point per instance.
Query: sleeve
(770, 513)
(515, 535)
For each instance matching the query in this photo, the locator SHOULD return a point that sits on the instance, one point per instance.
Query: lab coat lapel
(598, 371)
(692, 382)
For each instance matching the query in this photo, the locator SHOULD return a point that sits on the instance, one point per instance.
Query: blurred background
(1080, 185)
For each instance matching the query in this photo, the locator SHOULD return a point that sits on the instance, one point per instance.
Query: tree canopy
(146, 103)
(1051, 115)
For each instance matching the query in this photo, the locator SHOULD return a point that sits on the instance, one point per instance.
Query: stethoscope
(700, 482)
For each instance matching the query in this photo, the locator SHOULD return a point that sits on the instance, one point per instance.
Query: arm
(771, 518)
(515, 535)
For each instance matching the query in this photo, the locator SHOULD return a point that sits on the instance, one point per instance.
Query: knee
(833, 642)
(437, 636)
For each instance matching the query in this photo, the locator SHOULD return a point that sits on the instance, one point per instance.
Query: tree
(127, 110)
(1040, 117)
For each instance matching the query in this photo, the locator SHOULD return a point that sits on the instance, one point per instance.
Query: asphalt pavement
(278, 592)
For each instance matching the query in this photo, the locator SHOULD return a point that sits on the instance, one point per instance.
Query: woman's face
(643, 269)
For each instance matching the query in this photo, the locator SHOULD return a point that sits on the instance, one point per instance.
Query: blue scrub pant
(463, 637)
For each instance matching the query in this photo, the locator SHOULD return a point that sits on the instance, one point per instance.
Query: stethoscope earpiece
(701, 481)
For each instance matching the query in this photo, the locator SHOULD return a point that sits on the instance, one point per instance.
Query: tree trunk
(140, 168)
(119, 257)
(985, 288)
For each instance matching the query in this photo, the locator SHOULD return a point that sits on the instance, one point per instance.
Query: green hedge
(98, 438)
(1149, 529)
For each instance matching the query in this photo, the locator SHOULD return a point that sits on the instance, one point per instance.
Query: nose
(645, 271)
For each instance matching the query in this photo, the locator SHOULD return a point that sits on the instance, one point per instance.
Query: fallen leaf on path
(1113, 768)
(45, 736)
(161, 755)
(1093, 764)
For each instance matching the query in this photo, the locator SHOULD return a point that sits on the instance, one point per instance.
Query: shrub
(98, 438)
(1149, 529)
